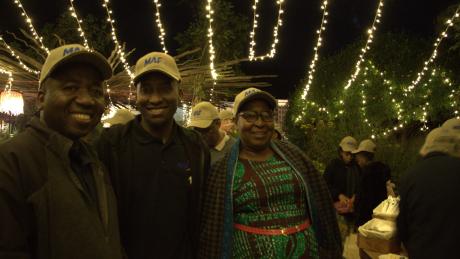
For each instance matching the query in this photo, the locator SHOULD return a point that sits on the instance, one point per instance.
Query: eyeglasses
(251, 116)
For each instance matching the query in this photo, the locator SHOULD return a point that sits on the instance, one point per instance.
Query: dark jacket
(372, 190)
(428, 221)
(45, 213)
(341, 178)
(217, 227)
(119, 148)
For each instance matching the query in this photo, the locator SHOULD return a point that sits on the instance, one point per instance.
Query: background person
(428, 223)
(205, 120)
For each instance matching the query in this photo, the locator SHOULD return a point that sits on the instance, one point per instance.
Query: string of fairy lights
(212, 52)
(9, 82)
(255, 24)
(31, 26)
(319, 42)
(13, 53)
(81, 32)
(367, 46)
(427, 63)
(118, 47)
(161, 30)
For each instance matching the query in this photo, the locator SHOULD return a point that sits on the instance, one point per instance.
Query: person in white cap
(227, 122)
(428, 224)
(205, 119)
(158, 167)
(265, 199)
(373, 184)
(342, 177)
(56, 200)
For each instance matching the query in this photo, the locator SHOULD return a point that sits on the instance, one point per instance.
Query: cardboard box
(379, 245)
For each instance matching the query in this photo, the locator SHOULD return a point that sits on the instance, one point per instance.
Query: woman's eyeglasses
(251, 116)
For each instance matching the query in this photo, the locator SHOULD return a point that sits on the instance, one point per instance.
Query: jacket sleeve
(401, 221)
(329, 178)
(13, 211)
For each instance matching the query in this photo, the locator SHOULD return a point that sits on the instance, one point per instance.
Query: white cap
(439, 140)
(348, 144)
(157, 62)
(203, 114)
(452, 125)
(366, 145)
(73, 53)
(252, 94)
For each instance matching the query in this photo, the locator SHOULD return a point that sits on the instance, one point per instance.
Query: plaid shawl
(217, 211)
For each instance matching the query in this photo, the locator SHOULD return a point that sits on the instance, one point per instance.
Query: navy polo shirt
(154, 196)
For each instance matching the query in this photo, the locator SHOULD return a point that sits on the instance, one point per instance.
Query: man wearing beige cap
(428, 222)
(205, 120)
(227, 122)
(56, 201)
(373, 184)
(157, 167)
(342, 177)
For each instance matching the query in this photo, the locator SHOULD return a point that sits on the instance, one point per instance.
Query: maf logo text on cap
(68, 51)
(151, 60)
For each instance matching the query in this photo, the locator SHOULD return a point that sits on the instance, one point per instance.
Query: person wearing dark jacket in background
(342, 178)
(374, 177)
(428, 221)
(56, 200)
(157, 167)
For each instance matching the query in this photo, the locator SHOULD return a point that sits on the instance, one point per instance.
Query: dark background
(348, 21)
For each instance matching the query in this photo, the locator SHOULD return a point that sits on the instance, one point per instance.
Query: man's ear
(40, 99)
(181, 94)
(218, 123)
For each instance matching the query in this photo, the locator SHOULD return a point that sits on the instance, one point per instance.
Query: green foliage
(372, 103)
(231, 32)
(66, 29)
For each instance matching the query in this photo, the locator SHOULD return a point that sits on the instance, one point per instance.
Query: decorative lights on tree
(252, 35)
(312, 67)
(364, 50)
(13, 53)
(212, 52)
(31, 26)
(81, 32)
(450, 23)
(118, 47)
(161, 30)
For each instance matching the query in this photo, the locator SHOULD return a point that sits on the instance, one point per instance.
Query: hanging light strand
(252, 35)
(81, 32)
(118, 48)
(13, 53)
(212, 52)
(319, 42)
(161, 30)
(31, 26)
(449, 23)
(367, 46)
(9, 83)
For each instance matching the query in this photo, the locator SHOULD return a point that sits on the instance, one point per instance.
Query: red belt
(273, 232)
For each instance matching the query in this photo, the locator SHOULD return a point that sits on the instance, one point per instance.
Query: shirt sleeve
(13, 211)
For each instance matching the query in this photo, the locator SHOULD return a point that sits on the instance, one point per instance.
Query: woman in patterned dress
(264, 199)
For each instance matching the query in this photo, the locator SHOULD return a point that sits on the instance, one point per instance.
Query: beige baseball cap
(252, 94)
(366, 145)
(74, 53)
(439, 140)
(203, 114)
(156, 62)
(348, 144)
(225, 115)
(452, 125)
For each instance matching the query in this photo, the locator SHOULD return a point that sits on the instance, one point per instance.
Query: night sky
(348, 20)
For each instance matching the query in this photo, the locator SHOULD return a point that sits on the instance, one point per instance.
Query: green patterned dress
(270, 195)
